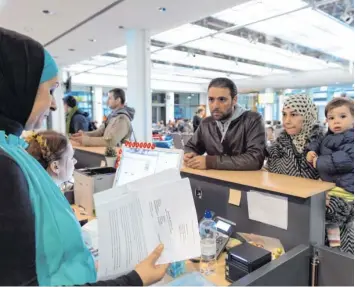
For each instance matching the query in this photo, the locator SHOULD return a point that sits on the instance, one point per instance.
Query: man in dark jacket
(76, 119)
(232, 137)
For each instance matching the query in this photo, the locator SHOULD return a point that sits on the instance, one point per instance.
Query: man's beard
(226, 116)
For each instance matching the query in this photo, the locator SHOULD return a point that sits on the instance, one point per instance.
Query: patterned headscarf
(303, 105)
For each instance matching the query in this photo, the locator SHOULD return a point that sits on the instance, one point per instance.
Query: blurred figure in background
(198, 118)
(76, 119)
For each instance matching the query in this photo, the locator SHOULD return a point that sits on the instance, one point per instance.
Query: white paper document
(133, 224)
(268, 208)
(138, 163)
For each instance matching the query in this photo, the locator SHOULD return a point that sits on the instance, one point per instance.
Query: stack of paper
(135, 218)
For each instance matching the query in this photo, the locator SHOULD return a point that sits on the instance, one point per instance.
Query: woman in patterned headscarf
(288, 154)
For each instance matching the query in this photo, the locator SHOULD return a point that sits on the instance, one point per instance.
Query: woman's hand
(148, 271)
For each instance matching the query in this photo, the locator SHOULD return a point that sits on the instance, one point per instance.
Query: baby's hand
(311, 155)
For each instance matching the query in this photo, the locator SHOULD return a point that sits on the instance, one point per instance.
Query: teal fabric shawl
(61, 255)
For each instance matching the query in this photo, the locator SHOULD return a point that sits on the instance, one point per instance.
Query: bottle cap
(208, 214)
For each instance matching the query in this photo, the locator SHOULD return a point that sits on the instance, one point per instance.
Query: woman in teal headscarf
(40, 238)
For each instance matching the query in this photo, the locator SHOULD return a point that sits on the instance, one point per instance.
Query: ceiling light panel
(312, 29)
(256, 10)
(191, 72)
(110, 71)
(100, 61)
(308, 27)
(242, 48)
(123, 50)
(182, 34)
(79, 68)
(173, 56)
(157, 75)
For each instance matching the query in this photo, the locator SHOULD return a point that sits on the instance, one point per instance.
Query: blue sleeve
(314, 145)
(338, 162)
(81, 123)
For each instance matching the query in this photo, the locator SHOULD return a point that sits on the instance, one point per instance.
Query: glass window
(186, 105)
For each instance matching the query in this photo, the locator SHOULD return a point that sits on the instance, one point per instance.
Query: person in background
(288, 155)
(343, 95)
(76, 119)
(116, 129)
(185, 127)
(232, 137)
(172, 127)
(333, 157)
(198, 118)
(40, 239)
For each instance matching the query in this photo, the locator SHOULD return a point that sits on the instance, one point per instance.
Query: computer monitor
(137, 163)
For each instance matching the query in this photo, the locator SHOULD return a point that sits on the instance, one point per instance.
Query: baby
(333, 157)
(54, 152)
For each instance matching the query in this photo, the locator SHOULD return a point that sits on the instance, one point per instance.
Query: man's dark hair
(338, 102)
(119, 93)
(70, 101)
(224, 83)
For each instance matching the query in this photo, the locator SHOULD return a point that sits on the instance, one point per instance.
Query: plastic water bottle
(208, 233)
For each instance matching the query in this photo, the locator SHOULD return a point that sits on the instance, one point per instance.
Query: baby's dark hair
(47, 146)
(339, 102)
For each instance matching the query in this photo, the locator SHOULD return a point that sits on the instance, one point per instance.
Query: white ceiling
(25, 16)
(71, 27)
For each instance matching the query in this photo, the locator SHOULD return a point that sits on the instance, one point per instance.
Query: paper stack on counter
(135, 218)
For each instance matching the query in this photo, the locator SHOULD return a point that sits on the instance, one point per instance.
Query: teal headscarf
(50, 69)
(61, 255)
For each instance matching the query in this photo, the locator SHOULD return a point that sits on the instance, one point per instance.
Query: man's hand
(78, 134)
(188, 156)
(74, 143)
(148, 271)
(78, 139)
(310, 156)
(197, 162)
